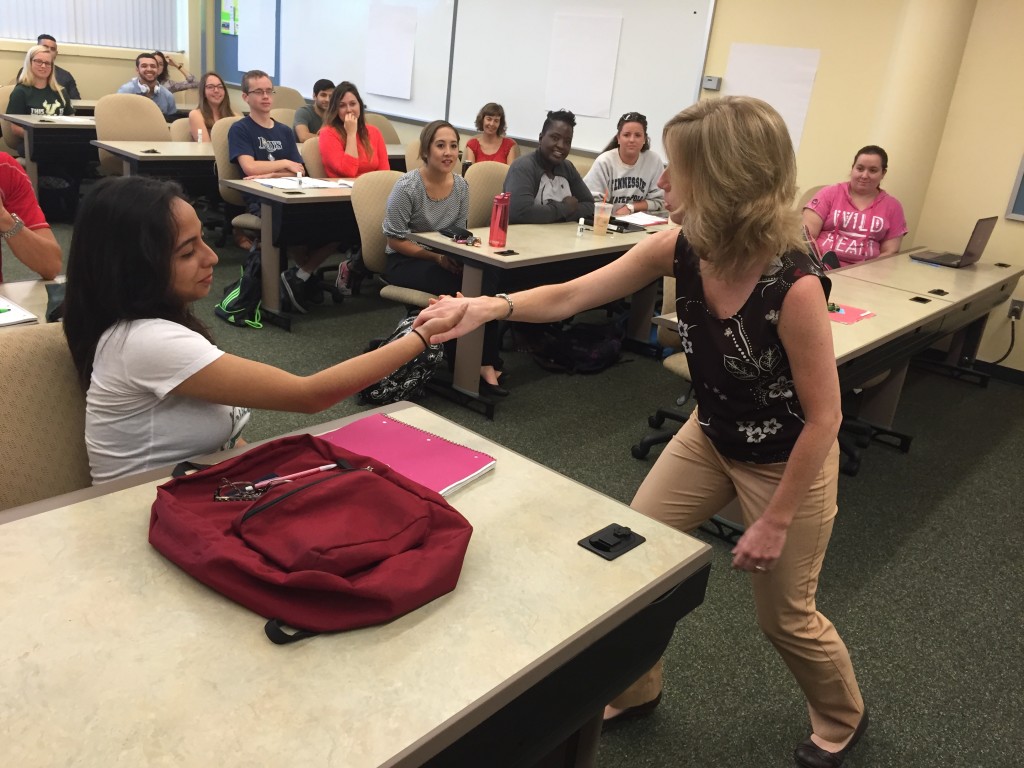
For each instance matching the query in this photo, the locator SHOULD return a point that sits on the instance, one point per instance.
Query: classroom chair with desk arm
(42, 411)
(235, 214)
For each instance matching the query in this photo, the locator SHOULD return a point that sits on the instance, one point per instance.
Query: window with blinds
(145, 25)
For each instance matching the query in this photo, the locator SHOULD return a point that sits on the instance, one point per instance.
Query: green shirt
(29, 100)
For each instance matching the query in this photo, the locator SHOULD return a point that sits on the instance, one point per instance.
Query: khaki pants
(689, 483)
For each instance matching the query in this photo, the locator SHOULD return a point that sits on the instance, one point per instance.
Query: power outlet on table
(1016, 308)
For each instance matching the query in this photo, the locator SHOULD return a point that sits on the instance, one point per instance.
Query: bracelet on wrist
(426, 344)
(511, 304)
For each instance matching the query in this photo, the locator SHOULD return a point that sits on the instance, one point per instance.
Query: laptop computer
(975, 247)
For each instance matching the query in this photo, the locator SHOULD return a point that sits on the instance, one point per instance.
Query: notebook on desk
(14, 314)
(433, 461)
(975, 247)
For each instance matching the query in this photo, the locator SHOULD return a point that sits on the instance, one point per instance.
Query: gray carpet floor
(923, 576)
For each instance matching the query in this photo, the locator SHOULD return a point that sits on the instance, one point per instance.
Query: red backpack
(345, 546)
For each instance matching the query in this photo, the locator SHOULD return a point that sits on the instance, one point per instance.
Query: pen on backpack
(294, 476)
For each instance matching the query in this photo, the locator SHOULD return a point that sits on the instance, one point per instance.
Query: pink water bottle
(499, 221)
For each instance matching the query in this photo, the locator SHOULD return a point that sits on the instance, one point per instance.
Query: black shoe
(314, 291)
(810, 755)
(631, 713)
(492, 390)
(294, 288)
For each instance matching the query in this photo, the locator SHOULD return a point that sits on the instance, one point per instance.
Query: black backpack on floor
(242, 299)
(573, 347)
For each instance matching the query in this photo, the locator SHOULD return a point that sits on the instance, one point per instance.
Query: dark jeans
(423, 275)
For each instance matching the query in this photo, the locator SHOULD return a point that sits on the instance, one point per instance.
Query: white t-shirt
(132, 422)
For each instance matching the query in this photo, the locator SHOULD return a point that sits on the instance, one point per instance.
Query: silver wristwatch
(18, 226)
(631, 207)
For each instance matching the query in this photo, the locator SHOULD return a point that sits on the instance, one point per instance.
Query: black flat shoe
(810, 755)
(631, 713)
(492, 390)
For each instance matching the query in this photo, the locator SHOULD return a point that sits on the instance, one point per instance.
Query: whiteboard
(325, 38)
(503, 57)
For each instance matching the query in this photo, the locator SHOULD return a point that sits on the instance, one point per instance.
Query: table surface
(900, 271)
(274, 195)
(29, 294)
(535, 244)
(109, 654)
(52, 121)
(164, 150)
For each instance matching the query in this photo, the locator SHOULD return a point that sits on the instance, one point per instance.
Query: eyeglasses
(633, 117)
(215, 87)
(262, 92)
(41, 63)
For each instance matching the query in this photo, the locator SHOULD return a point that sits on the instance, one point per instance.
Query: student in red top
(348, 146)
(23, 227)
(492, 143)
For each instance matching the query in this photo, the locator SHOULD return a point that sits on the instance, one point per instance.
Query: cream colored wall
(980, 154)
(875, 57)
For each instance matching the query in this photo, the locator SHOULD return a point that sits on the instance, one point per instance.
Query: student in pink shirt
(348, 146)
(857, 219)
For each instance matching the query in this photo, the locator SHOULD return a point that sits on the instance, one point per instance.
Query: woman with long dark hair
(214, 103)
(348, 146)
(157, 388)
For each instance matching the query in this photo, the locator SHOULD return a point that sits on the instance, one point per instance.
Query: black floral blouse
(746, 402)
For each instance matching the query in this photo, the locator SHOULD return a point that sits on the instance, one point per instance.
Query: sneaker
(294, 288)
(343, 279)
(313, 293)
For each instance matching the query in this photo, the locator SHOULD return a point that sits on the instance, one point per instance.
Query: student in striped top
(426, 200)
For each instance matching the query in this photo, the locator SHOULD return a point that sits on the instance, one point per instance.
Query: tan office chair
(42, 453)
(284, 115)
(369, 202)
(485, 181)
(229, 170)
(181, 130)
(285, 97)
(11, 144)
(582, 164)
(676, 363)
(387, 130)
(127, 117)
(310, 151)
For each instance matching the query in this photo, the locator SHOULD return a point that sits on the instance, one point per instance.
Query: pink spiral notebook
(433, 461)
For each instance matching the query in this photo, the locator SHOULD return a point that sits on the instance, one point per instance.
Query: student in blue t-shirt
(265, 148)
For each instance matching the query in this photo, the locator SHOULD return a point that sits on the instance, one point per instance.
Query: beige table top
(896, 313)
(900, 271)
(110, 655)
(535, 244)
(29, 294)
(164, 150)
(53, 121)
(304, 195)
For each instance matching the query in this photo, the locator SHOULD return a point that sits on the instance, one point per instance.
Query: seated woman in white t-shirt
(158, 390)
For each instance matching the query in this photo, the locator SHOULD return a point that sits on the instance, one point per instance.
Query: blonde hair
(733, 174)
(26, 71)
